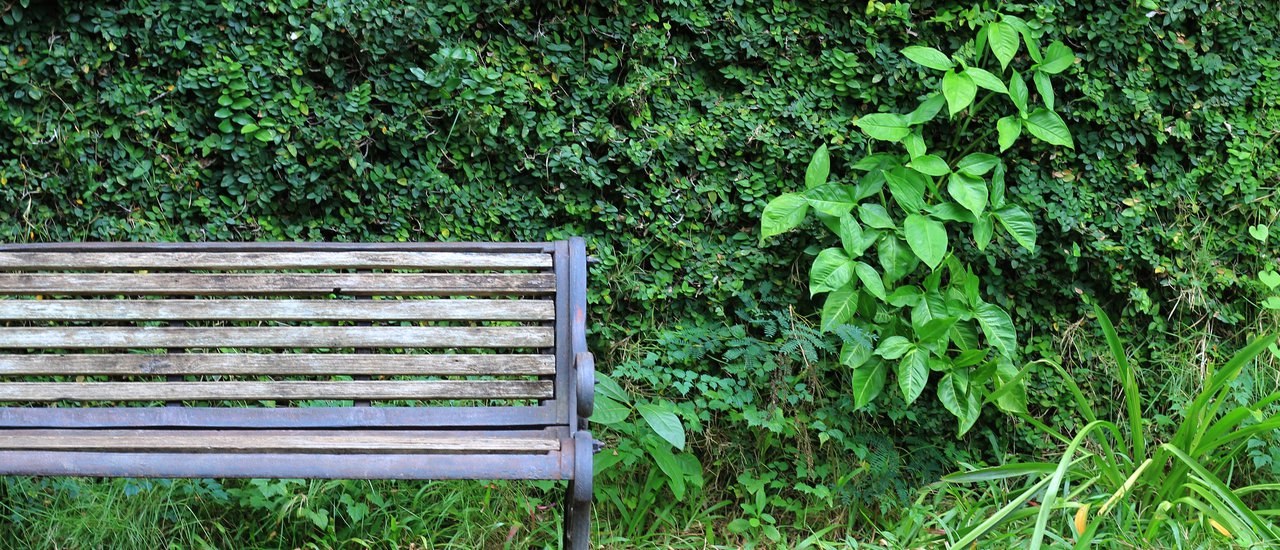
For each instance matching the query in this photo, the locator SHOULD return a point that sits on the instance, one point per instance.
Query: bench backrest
(290, 335)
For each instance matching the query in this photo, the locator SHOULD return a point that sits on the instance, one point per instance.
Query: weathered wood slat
(279, 310)
(286, 390)
(363, 284)
(276, 337)
(281, 246)
(270, 441)
(285, 364)
(237, 261)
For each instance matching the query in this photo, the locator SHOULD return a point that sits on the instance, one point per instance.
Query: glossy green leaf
(997, 326)
(931, 165)
(928, 57)
(1018, 92)
(983, 230)
(894, 347)
(609, 412)
(959, 90)
(853, 354)
(819, 168)
(969, 191)
(896, 259)
(875, 216)
(986, 80)
(839, 307)
(913, 374)
(852, 237)
(870, 279)
(977, 164)
(1018, 223)
(782, 214)
(951, 212)
(884, 126)
(1003, 40)
(831, 270)
(1057, 58)
(1007, 131)
(927, 110)
(1048, 126)
(831, 199)
(1044, 87)
(868, 381)
(664, 423)
(907, 187)
(927, 238)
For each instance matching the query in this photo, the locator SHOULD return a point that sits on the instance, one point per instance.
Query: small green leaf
(984, 79)
(931, 165)
(969, 191)
(1057, 58)
(1007, 130)
(1003, 40)
(1270, 278)
(222, 113)
(1048, 126)
(977, 164)
(1019, 225)
(870, 280)
(927, 238)
(1259, 232)
(839, 307)
(928, 57)
(983, 230)
(264, 135)
(1272, 302)
(1044, 87)
(819, 168)
(913, 374)
(884, 126)
(997, 326)
(868, 382)
(1018, 92)
(831, 270)
(782, 214)
(959, 90)
(664, 423)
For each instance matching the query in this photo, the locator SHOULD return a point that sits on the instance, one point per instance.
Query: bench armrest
(584, 364)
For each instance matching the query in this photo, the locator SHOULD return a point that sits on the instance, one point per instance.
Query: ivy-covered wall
(658, 130)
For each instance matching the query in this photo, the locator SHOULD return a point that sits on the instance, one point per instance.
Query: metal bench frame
(565, 414)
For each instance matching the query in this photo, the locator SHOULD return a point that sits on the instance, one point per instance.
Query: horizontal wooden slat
(295, 364)
(361, 284)
(279, 310)
(275, 441)
(436, 415)
(117, 261)
(280, 246)
(290, 390)
(276, 337)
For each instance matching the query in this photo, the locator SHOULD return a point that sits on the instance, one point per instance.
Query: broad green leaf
(913, 374)
(997, 187)
(853, 354)
(875, 216)
(927, 238)
(984, 79)
(914, 144)
(831, 199)
(664, 423)
(896, 259)
(997, 327)
(870, 279)
(1012, 393)
(1003, 40)
(854, 240)
(959, 90)
(839, 307)
(907, 187)
(868, 382)
(884, 126)
(972, 409)
(951, 212)
(1018, 92)
(931, 165)
(969, 191)
(983, 230)
(927, 110)
(929, 57)
(609, 412)
(1048, 126)
(1007, 131)
(950, 398)
(782, 214)
(819, 168)
(1044, 87)
(905, 296)
(831, 270)
(977, 164)
(934, 329)
(875, 162)
(666, 462)
(1019, 225)
(893, 347)
(1057, 58)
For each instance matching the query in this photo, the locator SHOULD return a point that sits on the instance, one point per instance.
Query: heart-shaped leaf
(1270, 278)
(927, 238)
(959, 90)
(1259, 232)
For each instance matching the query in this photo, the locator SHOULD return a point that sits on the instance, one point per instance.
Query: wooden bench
(316, 360)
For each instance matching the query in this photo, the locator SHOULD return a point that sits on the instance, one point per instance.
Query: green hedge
(658, 131)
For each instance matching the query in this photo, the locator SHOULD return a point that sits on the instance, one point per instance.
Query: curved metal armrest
(584, 364)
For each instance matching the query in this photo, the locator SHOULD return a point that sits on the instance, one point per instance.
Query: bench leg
(577, 501)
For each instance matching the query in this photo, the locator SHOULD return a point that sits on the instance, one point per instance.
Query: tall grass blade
(1129, 381)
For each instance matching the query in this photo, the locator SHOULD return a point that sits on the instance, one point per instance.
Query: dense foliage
(660, 131)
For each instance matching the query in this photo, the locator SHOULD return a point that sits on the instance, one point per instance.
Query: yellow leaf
(1082, 519)
(1218, 526)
